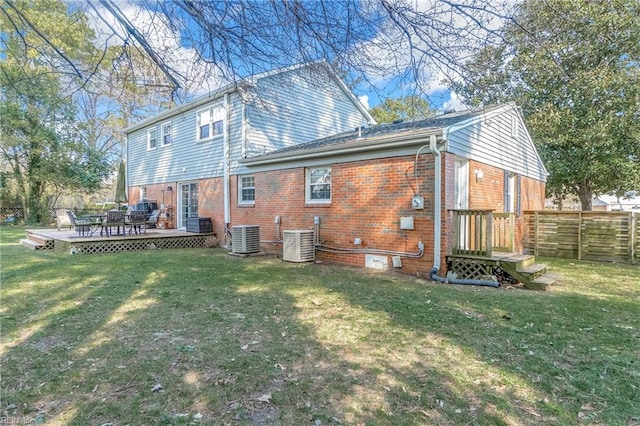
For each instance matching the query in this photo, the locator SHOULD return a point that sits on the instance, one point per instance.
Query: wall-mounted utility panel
(406, 222)
(417, 202)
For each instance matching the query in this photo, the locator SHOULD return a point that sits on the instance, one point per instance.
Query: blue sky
(200, 76)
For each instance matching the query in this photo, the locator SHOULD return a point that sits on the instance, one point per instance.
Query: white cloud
(364, 100)
(443, 36)
(195, 75)
(454, 103)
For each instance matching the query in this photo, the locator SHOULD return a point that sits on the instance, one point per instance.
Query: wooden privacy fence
(583, 235)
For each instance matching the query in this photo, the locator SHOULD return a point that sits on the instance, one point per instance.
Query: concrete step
(31, 245)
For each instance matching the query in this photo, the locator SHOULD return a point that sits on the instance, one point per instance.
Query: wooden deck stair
(525, 269)
(522, 268)
(37, 242)
(31, 245)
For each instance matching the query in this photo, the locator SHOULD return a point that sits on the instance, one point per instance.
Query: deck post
(456, 232)
(512, 231)
(536, 218)
(489, 233)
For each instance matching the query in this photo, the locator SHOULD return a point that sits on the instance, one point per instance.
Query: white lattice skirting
(97, 247)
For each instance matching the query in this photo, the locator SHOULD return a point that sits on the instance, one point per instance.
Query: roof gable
(465, 132)
(251, 81)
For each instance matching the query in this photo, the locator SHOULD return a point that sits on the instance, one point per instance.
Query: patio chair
(114, 218)
(153, 219)
(84, 225)
(137, 222)
(63, 219)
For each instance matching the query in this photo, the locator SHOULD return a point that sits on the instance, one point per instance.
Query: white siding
(289, 109)
(185, 159)
(488, 139)
(282, 109)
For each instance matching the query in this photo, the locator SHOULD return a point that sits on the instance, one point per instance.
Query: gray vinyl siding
(289, 109)
(185, 159)
(281, 109)
(489, 141)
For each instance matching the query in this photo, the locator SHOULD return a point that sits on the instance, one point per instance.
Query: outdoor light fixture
(169, 188)
(479, 175)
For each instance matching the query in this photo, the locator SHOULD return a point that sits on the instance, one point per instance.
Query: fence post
(580, 235)
(632, 238)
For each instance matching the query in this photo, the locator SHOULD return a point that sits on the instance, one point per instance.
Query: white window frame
(165, 135)
(241, 187)
(309, 185)
(214, 122)
(151, 130)
(143, 193)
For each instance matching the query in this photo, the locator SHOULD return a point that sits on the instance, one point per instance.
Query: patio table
(87, 225)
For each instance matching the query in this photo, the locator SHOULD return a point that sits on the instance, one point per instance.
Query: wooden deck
(71, 241)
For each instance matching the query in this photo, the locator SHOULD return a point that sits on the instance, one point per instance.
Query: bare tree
(384, 43)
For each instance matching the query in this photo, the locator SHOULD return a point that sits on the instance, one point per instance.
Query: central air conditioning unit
(297, 246)
(245, 239)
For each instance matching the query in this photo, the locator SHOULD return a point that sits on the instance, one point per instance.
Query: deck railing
(481, 232)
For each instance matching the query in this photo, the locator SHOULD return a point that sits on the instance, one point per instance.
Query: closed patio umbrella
(121, 186)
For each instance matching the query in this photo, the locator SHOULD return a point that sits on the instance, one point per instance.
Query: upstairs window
(318, 185)
(166, 134)
(210, 123)
(152, 138)
(247, 189)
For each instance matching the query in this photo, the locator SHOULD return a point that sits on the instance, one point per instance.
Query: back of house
(295, 165)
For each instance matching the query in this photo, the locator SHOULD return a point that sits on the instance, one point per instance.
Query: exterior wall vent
(245, 239)
(297, 246)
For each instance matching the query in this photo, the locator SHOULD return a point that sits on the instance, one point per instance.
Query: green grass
(86, 338)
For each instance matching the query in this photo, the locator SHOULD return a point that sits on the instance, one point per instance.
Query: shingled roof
(436, 122)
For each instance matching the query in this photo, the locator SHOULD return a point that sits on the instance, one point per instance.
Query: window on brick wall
(246, 189)
(318, 185)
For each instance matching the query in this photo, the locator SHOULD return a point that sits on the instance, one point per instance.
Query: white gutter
(170, 113)
(437, 203)
(227, 165)
(384, 142)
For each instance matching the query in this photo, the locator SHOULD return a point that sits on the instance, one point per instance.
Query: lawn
(196, 336)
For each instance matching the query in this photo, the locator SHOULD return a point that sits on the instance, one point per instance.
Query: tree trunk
(586, 195)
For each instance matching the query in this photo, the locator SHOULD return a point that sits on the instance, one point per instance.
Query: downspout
(244, 128)
(437, 224)
(437, 204)
(227, 165)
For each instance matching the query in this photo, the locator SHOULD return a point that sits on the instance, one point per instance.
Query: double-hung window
(318, 185)
(166, 134)
(152, 138)
(210, 123)
(247, 189)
